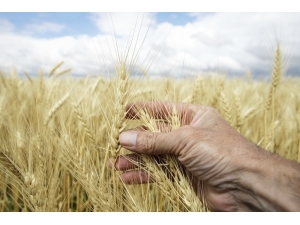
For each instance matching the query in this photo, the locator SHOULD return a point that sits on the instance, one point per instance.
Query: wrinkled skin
(226, 167)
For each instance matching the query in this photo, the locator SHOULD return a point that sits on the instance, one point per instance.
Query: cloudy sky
(164, 43)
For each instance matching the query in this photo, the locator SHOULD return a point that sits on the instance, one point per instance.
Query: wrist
(273, 181)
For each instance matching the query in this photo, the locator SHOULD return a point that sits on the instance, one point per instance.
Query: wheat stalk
(61, 73)
(28, 77)
(52, 71)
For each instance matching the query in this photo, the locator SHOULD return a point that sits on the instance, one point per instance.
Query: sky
(161, 43)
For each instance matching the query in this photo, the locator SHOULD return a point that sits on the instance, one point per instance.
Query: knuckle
(184, 129)
(147, 143)
(187, 137)
(187, 132)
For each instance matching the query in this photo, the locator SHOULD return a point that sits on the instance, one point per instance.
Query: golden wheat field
(57, 134)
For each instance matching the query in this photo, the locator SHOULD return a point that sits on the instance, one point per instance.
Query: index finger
(163, 110)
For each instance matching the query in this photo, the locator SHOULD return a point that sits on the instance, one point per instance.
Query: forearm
(274, 182)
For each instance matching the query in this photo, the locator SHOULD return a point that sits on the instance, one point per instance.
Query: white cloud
(44, 27)
(230, 42)
(247, 40)
(5, 26)
(123, 23)
(28, 54)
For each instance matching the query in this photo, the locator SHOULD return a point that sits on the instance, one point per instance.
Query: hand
(228, 165)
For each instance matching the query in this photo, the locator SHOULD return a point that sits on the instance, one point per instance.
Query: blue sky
(74, 23)
(175, 43)
(79, 23)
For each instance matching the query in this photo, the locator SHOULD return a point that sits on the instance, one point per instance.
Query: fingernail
(128, 138)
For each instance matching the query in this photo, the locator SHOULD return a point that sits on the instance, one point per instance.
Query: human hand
(224, 164)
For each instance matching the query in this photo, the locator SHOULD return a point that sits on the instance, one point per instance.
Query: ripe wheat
(57, 135)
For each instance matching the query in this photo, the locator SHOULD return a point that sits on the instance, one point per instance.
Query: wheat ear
(118, 121)
(122, 95)
(9, 167)
(20, 181)
(237, 106)
(3, 81)
(83, 122)
(298, 157)
(216, 95)
(197, 88)
(276, 76)
(226, 107)
(55, 108)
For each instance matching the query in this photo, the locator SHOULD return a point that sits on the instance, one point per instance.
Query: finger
(153, 143)
(133, 161)
(136, 177)
(142, 176)
(126, 162)
(163, 110)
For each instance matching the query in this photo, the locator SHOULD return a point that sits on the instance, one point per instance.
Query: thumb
(150, 143)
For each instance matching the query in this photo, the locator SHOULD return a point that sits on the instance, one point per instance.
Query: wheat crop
(57, 135)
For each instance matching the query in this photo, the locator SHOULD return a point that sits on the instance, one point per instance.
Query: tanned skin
(230, 172)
